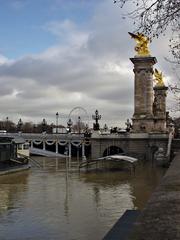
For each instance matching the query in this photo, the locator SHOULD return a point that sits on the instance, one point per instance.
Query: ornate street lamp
(79, 124)
(34, 128)
(87, 133)
(69, 125)
(86, 129)
(105, 127)
(7, 124)
(96, 117)
(129, 126)
(19, 125)
(44, 125)
(57, 117)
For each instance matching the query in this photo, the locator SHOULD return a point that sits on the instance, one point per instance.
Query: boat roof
(4, 139)
(9, 139)
(119, 157)
(18, 140)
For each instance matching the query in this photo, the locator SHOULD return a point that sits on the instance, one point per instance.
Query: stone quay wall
(160, 220)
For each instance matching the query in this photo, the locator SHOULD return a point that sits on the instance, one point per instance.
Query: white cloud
(3, 59)
(67, 32)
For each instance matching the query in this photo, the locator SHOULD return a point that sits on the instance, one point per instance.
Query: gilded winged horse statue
(158, 78)
(142, 44)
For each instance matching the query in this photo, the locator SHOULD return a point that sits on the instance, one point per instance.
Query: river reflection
(51, 204)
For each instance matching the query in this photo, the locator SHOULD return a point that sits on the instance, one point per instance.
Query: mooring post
(69, 154)
(44, 145)
(83, 152)
(56, 146)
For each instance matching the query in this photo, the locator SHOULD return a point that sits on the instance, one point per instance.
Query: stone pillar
(143, 93)
(159, 108)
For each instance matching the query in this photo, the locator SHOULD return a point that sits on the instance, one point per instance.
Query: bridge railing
(45, 136)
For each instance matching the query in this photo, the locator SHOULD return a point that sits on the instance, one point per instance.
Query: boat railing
(33, 161)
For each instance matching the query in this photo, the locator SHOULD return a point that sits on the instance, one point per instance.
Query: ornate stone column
(159, 108)
(143, 93)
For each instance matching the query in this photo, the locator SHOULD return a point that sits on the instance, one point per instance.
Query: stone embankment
(160, 220)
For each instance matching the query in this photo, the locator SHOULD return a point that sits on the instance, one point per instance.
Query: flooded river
(50, 203)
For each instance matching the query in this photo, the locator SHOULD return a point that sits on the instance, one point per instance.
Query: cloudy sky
(56, 55)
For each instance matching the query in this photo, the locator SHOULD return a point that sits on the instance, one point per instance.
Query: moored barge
(10, 160)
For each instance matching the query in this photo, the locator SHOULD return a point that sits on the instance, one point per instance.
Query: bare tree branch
(153, 18)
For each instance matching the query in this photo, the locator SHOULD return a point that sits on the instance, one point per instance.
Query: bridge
(140, 145)
(60, 145)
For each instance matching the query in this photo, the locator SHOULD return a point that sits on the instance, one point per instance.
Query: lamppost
(34, 128)
(69, 125)
(7, 124)
(96, 117)
(129, 126)
(79, 124)
(105, 127)
(44, 125)
(86, 131)
(57, 116)
(19, 126)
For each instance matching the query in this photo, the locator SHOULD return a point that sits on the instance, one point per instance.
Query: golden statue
(158, 78)
(142, 44)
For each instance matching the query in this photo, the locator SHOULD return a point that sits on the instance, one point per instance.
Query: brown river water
(50, 203)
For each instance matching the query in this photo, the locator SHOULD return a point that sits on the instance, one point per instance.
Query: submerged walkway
(160, 220)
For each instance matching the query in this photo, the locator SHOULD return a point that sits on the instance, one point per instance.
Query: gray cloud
(92, 69)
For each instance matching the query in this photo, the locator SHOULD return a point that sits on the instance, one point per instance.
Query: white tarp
(119, 157)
